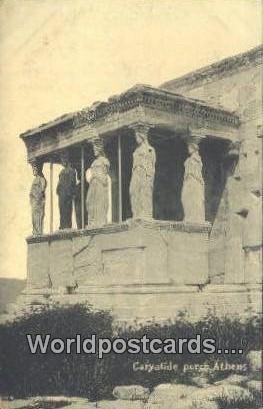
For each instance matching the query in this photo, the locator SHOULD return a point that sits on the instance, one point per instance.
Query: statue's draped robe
(193, 194)
(98, 193)
(66, 190)
(37, 201)
(142, 180)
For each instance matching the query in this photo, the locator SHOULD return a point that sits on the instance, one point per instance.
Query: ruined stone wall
(238, 90)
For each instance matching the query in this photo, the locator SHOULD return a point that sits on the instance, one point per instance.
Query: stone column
(99, 192)
(143, 172)
(193, 192)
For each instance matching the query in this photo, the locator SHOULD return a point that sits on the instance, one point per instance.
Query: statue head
(64, 157)
(193, 148)
(37, 168)
(140, 137)
(141, 132)
(98, 148)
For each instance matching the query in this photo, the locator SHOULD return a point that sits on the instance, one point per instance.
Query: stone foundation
(154, 302)
(138, 270)
(133, 253)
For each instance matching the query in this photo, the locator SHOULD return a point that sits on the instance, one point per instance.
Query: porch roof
(141, 103)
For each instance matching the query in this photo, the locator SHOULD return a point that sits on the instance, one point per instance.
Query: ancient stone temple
(166, 185)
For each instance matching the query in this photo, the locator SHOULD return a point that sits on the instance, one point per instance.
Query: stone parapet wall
(137, 252)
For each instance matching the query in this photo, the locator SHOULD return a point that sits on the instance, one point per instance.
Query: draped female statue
(143, 171)
(37, 199)
(193, 193)
(99, 185)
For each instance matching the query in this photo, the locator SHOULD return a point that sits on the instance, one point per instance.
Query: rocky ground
(233, 392)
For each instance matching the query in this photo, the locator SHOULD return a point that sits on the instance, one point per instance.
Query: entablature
(140, 104)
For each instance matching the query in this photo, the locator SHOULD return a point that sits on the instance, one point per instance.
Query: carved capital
(141, 130)
(141, 127)
(194, 136)
(193, 142)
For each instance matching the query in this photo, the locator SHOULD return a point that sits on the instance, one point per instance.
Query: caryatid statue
(66, 190)
(97, 176)
(143, 172)
(193, 191)
(37, 198)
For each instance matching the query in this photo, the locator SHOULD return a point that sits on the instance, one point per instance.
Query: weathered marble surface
(98, 193)
(193, 191)
(138, 253)
(37, 199)
(143, 172)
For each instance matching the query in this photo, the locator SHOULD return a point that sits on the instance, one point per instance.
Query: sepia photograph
(131, 204)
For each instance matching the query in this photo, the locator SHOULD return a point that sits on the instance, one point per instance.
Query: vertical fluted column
(143, 173)
(193, 192)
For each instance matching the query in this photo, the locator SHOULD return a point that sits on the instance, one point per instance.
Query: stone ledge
(70, 233)
(117, 289)
(179, 226)
(165, 288)
(225, 288)
(174, 225)
(254, 287)
(166, 302)
(138, 289)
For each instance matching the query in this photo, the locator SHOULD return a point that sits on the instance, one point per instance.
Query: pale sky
(58, 56)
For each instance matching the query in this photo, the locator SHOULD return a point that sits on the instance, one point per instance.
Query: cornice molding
(157, 225)
(138, 96)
